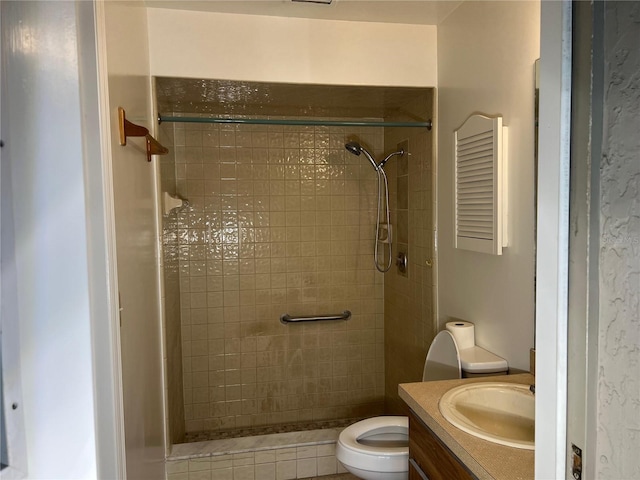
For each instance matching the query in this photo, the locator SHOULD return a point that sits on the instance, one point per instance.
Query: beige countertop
(485, 459)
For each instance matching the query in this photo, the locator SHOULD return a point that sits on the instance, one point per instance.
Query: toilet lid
(443, 359)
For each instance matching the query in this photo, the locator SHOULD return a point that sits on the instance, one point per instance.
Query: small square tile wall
(410, 318)
(281, 221)
(171, 296)
(277, 464)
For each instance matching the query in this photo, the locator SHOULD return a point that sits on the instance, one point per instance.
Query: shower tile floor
(267, 430)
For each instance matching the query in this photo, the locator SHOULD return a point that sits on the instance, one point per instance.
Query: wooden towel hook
(128, 129)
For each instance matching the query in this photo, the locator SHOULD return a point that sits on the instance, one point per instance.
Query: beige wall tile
(409, 316)
(265, 471)
(286, 470)
(306, 468)
(178, 476)
(270, 218)
(326, 465)
(200, 475)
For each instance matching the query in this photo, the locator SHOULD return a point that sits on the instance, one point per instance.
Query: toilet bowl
(378, 448)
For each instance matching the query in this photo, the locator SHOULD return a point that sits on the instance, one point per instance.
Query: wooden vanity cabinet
(429, 458)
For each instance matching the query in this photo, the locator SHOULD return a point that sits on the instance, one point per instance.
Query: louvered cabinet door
(480, 185)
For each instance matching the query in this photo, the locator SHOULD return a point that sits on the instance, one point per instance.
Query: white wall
(125, 59)
(55, 302)
(486, 54)
(276, 49)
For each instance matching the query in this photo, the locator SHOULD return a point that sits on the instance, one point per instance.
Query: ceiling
(420, 12)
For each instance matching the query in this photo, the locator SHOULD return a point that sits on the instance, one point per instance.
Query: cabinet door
(415, 472)
(432, 456)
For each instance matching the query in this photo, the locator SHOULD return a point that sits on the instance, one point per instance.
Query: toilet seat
(375, 426)
(385, 460)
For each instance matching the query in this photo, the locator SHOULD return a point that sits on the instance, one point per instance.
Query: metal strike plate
(576, 468)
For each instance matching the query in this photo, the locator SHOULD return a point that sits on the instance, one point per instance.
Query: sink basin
(502, 413)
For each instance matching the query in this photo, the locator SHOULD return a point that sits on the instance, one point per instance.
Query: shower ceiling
(224, 97)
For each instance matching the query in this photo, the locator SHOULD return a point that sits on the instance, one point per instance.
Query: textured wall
(619, 342)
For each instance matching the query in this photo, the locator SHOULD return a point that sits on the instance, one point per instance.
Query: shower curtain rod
(276, 121)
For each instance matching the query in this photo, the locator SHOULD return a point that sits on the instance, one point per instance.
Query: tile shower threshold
(212, 448)
(255, 439)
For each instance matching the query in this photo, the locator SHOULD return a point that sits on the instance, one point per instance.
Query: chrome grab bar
(286, 318)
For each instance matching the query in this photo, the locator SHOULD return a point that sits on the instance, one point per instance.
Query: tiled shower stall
(281, 219)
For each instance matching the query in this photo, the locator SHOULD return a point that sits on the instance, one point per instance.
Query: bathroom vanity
(429, 457)
(439, 450)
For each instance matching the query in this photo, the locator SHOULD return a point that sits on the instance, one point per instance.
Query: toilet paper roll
(463, 333)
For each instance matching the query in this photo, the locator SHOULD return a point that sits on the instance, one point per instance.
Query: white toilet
(378, 448)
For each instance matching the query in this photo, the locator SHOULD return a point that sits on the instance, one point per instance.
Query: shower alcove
(281, 220)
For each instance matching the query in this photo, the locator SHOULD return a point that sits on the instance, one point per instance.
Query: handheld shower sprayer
(353, 147)
(357, 149)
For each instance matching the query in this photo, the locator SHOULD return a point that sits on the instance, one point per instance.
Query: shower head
(353, 147)
(357, 149)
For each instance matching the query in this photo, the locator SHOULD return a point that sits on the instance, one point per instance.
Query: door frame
(552, 238)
